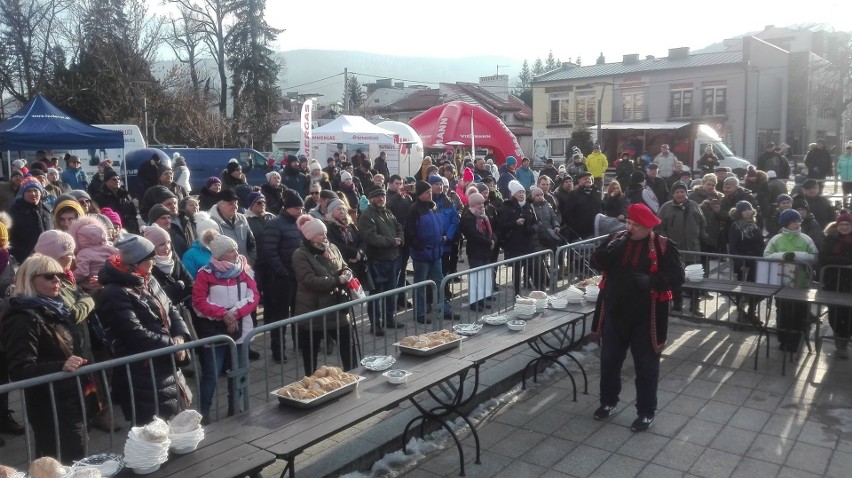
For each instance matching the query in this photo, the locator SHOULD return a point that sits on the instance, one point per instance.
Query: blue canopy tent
(41, 125)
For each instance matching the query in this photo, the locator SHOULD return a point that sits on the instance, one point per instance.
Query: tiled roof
(419, 101)
(656, 64)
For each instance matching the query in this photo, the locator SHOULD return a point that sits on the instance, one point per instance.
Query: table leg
(442, 412)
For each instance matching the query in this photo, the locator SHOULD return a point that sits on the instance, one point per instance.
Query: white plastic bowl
(559, 302)
(516, 325)
(397, 377)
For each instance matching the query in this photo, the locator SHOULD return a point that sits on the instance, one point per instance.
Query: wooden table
(285, 432)
(225, 457)
(550, 333)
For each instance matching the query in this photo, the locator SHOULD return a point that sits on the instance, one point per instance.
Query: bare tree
(213, 16)
(28, 45)
(185, 40)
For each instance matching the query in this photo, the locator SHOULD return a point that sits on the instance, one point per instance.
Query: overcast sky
(527, 29)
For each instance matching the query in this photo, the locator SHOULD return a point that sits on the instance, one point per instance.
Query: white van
(89, 158)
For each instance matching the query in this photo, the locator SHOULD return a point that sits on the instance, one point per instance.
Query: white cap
(771, 174)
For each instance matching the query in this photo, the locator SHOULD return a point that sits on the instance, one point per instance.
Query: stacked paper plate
(694, 272)
(186, 442)
(525, 310)
(143, 456)
(540, 299)
(558, 302)
(573, 295)
(592, 292)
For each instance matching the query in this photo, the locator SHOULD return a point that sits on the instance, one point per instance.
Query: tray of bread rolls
(429, 343)
(324, 385)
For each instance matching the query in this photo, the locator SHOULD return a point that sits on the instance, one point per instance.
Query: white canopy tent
(406, 157)
(352, 130)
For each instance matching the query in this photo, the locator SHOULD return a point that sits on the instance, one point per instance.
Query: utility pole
(346, 91)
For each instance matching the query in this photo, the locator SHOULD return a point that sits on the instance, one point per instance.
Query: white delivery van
(89, 158)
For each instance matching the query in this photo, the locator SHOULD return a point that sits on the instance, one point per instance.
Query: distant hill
(305, 67)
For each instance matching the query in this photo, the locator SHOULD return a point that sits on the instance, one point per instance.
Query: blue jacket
(449, 220)
(506, 176)
(75, 178)
(525, 177)
(196, 257)
(424, 232)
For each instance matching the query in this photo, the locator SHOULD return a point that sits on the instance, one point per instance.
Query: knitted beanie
(5, 224)
(475, 199)
(112, 216)
(788, 217)
(515, 187)
(156, 234)
(311, 227)
(55, 243)
(134, 249)
(64, 206)
(220, 245)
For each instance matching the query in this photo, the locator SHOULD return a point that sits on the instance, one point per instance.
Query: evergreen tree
(111, 77)
(254, 70)
(601, 59)
(357, 94)
(538, 67)
(523, 88)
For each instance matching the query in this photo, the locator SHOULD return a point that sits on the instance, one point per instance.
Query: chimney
(768, 27)
(649, 57)
(497, 85)
(630, 59)
(678, 53)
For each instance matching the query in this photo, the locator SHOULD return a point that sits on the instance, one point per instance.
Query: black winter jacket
(29, 221)
(478, 243)
(280, 239)
(120, 202)
(517, 239)
(138, 318)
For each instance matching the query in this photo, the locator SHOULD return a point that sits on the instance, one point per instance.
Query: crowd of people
(88, 272)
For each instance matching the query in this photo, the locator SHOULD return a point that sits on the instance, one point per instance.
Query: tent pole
(9, 166)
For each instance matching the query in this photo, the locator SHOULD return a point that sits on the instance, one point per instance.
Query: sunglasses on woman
(51, 276)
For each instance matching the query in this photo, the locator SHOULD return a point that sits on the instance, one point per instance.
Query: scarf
(225, 269)
(320, 247)
(166, 264)
(69, 274)
(522, 203)
(483, 225)
(344, 231)
(56, 306)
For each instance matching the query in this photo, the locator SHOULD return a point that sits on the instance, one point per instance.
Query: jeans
(212, 362)
(385, 275)
(619, 334)
(427, 271)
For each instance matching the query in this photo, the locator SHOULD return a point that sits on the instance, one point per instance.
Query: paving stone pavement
(718, 417)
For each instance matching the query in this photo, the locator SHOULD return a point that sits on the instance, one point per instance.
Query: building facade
(751, 91)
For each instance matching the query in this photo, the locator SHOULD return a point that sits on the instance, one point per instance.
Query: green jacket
(379, 230)
(804, 249)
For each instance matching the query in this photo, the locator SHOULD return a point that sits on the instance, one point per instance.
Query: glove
(618, 244)
(789, 256)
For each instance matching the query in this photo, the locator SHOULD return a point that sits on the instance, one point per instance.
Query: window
(557, 148)
(714, 101)
(559, 112)
(586, 107)
(633, 105)
(681, 104)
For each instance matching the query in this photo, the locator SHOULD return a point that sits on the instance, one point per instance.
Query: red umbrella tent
(448, 122)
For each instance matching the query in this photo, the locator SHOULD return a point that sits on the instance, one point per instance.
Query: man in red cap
(640, 270)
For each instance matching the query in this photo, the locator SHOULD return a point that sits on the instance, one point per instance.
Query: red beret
(640, 214)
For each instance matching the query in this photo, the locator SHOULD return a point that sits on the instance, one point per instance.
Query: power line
(315, 81)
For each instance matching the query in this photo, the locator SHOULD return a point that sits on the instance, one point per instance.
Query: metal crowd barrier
(841, 316)
(491, 288)
(574, 262)
(308, 332)
(14, 456)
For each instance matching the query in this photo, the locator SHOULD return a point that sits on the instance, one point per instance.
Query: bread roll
(7, 472)
(45, 467)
